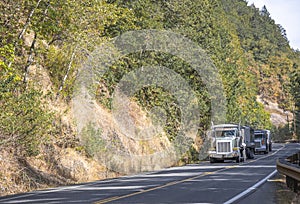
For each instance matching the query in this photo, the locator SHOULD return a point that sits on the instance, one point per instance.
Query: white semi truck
(262, 139)
(231, 142)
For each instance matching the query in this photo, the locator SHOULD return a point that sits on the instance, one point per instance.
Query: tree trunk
(28, 20)
(30, 59)
(67, 74)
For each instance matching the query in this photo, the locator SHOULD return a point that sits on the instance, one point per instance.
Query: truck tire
(250, 154)
(253, 153)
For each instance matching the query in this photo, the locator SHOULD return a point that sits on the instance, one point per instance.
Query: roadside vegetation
(44, 42)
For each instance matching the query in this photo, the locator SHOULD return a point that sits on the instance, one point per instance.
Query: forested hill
(43, 44)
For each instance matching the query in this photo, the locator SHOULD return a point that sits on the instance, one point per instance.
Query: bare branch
(30, 58)
(28, 20)
(67, 73)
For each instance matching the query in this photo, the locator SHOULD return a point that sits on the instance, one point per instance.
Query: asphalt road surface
(227, 182)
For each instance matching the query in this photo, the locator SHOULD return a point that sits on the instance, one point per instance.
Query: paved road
(202, 183)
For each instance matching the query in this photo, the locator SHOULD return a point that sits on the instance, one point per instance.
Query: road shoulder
(274, 190)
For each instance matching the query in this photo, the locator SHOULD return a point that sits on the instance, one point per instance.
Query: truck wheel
(251, 154)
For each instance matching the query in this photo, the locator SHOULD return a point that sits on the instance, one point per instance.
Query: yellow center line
(265, 156)
(107, 200)
(180, 181)
(159, 187)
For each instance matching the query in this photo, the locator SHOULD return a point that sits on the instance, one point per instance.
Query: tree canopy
(250, 51)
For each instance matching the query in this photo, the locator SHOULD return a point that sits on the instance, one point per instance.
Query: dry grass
(51, 168)
(63, 161)
(283, 194)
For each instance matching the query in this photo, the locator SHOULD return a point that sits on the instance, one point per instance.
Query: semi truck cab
(262, 139)
(227, 143)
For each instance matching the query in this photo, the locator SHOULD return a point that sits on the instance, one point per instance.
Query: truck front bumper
(260, 149)
(230, 155)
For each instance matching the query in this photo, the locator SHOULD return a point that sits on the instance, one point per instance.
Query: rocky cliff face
(279, 117)
(43, 45)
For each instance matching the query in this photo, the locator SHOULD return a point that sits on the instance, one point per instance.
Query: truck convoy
(262, 140)
(231, 142)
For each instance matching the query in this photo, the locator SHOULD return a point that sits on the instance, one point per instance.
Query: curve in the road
(204, 182)
(235, 198)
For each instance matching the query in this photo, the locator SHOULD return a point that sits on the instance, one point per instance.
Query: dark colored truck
(262, 140)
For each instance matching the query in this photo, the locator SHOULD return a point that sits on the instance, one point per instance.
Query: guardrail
(290, 167)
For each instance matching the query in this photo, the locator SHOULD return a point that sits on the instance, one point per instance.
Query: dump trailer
(248, 134)
(262, 139)
(231, 142)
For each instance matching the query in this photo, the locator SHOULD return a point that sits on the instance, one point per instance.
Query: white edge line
(61, 188)
(252, 188)
(70, 187)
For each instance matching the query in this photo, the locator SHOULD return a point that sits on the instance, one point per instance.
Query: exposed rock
(39, 75)
(28, 38)
(278, 119)
(279, 116)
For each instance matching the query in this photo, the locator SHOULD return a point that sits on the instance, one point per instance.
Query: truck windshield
(258, 136)
(225, 133)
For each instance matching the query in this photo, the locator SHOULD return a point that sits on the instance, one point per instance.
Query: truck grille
(223, 147)
(257, 145)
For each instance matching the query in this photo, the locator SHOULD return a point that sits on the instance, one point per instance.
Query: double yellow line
(180, 181)
(159, 187)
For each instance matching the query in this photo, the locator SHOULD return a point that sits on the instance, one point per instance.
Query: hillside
(97, 89)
